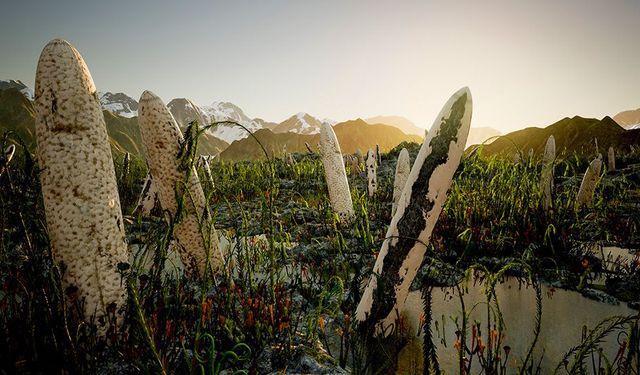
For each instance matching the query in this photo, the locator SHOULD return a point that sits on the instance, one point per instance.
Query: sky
(527, 63)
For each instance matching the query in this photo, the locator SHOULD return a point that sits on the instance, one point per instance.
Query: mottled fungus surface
(588, 185)
(611, 159)
(335, 174)
(78, 179)
(546, 179)
(403, 168)
(419, 207)
(196, 239)
(372, 173)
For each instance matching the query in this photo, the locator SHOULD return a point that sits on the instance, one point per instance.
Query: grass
(295, 269)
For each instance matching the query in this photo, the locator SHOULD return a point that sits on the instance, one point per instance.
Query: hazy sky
(526, 62)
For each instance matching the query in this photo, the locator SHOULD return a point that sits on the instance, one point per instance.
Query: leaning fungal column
(588, 185)
(419, 207)
(337, 183)
(162, 141)
(372, 176)
(611, 159)
(78, 179)
(546, 179)
(403, 167)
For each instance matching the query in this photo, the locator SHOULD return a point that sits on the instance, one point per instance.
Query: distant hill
(402, 123)
(628, 119)
(576, 134)
(352, 135)
(18, 115)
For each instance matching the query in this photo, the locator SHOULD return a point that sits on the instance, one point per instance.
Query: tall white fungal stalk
(588, 185)
(6, 159)
(78, 179)
(403, 167)
(196, 239)
(419, 207)
(611, 159)
(148, 197)
(372, 175)
(546, 180)
(207, 170)
(337, 183)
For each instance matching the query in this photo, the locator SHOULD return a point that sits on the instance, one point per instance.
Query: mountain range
(585, 136)
(232, 142)
(120, 112)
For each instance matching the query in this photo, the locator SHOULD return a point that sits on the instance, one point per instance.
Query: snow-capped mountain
(628, 119)
(10, 83)
(185, 111)
(119, 103)
(301, 123)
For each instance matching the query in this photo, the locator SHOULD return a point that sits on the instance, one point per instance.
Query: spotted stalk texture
(611, 159)
(546, 179)
(419, 206)
(588, 185)
(335, 174)
(81, 201)
(403, 168)
(372, 173)
(195, 236)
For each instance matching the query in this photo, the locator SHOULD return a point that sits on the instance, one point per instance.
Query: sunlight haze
(526, 63)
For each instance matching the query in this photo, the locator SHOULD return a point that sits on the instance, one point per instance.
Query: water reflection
(564, 315)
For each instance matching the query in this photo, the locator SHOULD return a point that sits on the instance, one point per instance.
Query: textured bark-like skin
(372, 175)
(418, 209)
(337, 183)
(162, 140)
(588, 185)
(403, 167)
(611, 159)
(6, 158)
(148, 197)
(546, 179)
(78, 179)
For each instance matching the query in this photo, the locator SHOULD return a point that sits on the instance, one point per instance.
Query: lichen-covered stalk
(419, 206)
(335, 174)
(611, 159)
(148, 197)
(195, 236)
(546, 179)
(372, 175)
(403, 167)
(6, 158)
(588, 185)
(78, 179)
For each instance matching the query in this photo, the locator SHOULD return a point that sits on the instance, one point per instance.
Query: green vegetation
(295, 270)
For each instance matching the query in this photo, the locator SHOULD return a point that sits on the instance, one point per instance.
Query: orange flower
(457, 345)
(321, 323)
(481, 345)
